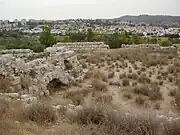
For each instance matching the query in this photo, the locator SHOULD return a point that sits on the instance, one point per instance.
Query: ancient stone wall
(30, 73)
(154, 47)
(85, 46)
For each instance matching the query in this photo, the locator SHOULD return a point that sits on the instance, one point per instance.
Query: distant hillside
(149, 19)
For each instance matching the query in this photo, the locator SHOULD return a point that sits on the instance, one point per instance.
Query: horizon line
(95, 18)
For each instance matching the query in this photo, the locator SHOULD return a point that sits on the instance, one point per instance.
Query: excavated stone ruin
(37, 73)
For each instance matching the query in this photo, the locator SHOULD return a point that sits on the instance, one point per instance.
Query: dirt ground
(132, 81)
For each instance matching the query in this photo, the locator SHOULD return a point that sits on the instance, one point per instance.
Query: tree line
(16, 40)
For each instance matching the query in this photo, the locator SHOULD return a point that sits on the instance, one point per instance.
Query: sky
(88, 9)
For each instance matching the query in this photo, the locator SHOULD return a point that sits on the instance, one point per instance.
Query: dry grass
(172, 128)
(41, 114)
(4, 106)
(153, 92)
(91, 115)
(104, 99)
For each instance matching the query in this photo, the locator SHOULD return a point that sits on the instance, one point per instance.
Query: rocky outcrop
(30, 73)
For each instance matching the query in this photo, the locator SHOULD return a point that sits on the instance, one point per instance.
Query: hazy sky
(64, 9)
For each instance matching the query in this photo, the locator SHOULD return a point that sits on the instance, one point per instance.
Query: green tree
(46, 38)
(90, 35)
(77, 37)
(165, 43)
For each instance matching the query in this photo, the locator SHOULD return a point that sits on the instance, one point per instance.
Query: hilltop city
(102, 26)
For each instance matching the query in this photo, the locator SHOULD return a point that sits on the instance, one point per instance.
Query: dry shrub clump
(157, 106)
(115, 123)
(144, 79)
(125, 82)
(111, 74)
(142, 89)
(121, 76)
(153, 92)
(172, 92)
(139, 100)
(104, 99)
(84, 65)
(156, 60)
(115, 83)
(41, 114)
(132, 76)
(98, 75)
(91, 115)
(171, 128)
(4, 84)
(99, 85)
(127, 96)
(131, 125)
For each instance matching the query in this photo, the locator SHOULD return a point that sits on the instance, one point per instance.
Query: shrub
(139, 100)
(172, 92)
(144, 79)
(170, 78)
(134, 83)
(171, 128)
(41, 114)
(139, 72)
(142, 89)
(159, 77)
(130, 70)
(104, 99)
(99, 85)
(121, 76)
(97, 75)
(127, 96)
(111, 74)
(157, 106)
(161, 82)
(125, 82)
(4, 84)
(155, 93)
(116, 83)
(84, 65)
(118, 124)
(132, 76)
(143, 69)
(91, 115)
